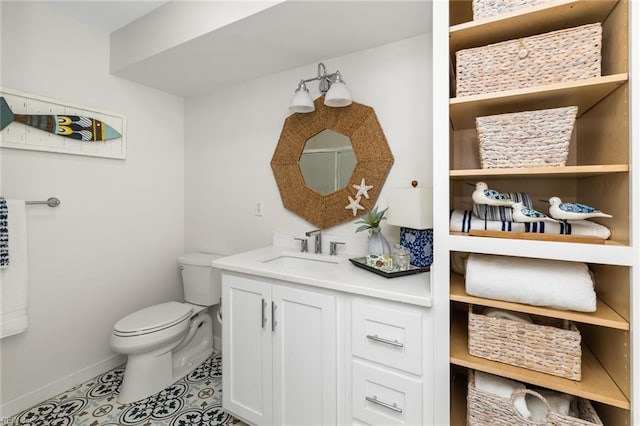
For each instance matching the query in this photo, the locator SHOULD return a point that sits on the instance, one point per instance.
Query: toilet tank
(202, 283)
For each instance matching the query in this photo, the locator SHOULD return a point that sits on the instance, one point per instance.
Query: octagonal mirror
(327, 161)
(324, 205)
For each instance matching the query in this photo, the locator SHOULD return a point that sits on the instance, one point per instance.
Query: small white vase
(378, 244)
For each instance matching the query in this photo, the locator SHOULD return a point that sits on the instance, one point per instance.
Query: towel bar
(51, 202)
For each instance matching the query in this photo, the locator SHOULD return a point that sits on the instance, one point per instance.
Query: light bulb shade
(301, 102)
(411, 207)
(338, 95)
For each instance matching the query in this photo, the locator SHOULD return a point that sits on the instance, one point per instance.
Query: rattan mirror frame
(373, 161)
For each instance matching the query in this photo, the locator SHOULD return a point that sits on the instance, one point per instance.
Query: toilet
(165, 342)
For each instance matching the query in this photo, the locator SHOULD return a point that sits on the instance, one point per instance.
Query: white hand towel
(560, 403)
(14, 279)
(502, 387)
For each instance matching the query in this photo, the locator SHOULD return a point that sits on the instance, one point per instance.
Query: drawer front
(384, 397)
(388, 336)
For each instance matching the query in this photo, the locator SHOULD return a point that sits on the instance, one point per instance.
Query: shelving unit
(599, 172)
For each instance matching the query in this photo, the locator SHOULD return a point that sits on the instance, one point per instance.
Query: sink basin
(289, 260)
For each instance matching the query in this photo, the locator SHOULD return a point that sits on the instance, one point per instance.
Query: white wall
(111, 247)
(230, 137)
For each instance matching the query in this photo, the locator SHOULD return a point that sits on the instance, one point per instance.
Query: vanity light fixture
(330, 85)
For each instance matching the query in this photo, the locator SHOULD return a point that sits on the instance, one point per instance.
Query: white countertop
(340, 276)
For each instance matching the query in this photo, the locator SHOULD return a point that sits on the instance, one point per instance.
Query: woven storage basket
(487, 8)
(564, 55)
(526, 139)
(487, 409)
(548, 345)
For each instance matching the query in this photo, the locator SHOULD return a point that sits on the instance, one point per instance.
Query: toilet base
(149, 373)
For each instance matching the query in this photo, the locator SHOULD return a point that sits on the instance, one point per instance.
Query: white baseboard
(30, 399)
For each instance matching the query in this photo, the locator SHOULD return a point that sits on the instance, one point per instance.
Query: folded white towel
(502, 387)
(459, 262)
(508, 315)
(14, 278)
(464, 220)
(560, 403)
(541, 282)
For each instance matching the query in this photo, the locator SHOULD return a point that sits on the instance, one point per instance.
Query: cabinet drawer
(385, 397)
(387, 335)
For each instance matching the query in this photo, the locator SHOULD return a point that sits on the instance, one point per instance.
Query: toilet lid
(153, 318)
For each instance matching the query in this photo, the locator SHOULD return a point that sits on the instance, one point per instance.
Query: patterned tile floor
(195, 400)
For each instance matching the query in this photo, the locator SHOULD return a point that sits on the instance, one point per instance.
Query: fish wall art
(76, 127)
(35, 123)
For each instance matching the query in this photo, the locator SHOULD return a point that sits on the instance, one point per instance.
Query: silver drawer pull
(374, 400)
(393, 342)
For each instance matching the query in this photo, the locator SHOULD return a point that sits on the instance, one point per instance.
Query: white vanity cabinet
(313, 340)
(279, 352)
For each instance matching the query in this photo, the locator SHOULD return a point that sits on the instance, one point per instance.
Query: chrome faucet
(318, 243)
(333, 247)
(303, 244)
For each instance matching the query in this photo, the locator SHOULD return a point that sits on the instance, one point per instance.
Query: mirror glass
(327, 161)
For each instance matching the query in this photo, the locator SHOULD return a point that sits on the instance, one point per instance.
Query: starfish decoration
(354, 205)
(363, 189)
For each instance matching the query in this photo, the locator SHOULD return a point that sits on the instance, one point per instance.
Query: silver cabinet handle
(263, 319)
(392, 407)
(273, 316)
(393, 342)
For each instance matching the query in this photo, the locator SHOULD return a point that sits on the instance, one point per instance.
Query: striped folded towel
(4, 233)
(499, 212)
(465, 220)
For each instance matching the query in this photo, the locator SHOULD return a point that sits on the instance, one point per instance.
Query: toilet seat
(153, 319)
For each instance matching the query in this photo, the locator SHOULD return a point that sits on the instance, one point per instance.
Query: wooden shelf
(603, 316)
(582, 93)
(596, 385)
(534, 20)
(536, 172)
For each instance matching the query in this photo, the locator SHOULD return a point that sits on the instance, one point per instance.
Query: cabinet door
(246, 352)
(304, 357)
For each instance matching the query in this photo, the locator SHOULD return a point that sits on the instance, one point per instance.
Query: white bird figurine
(525, 214)
(569, 211)
(490, 197)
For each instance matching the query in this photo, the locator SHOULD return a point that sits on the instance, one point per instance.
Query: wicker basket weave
(564, 55)
(548, 345)
(526, 139)
(488, 8)
(484, 409)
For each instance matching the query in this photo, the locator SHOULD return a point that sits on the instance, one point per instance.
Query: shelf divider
(603, 316)
(528, 21)
(582, 93)
(527, 172)
(596, 385)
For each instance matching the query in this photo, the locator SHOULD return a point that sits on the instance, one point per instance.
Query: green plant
(372, 219)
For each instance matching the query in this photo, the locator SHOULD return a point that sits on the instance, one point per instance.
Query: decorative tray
(361, 262)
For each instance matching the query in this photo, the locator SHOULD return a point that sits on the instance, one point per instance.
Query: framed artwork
(42, 124)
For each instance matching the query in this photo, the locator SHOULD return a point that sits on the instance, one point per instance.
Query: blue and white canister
(420, 243)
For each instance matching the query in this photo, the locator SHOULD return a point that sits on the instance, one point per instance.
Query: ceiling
(288, 35)
(106, 15)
